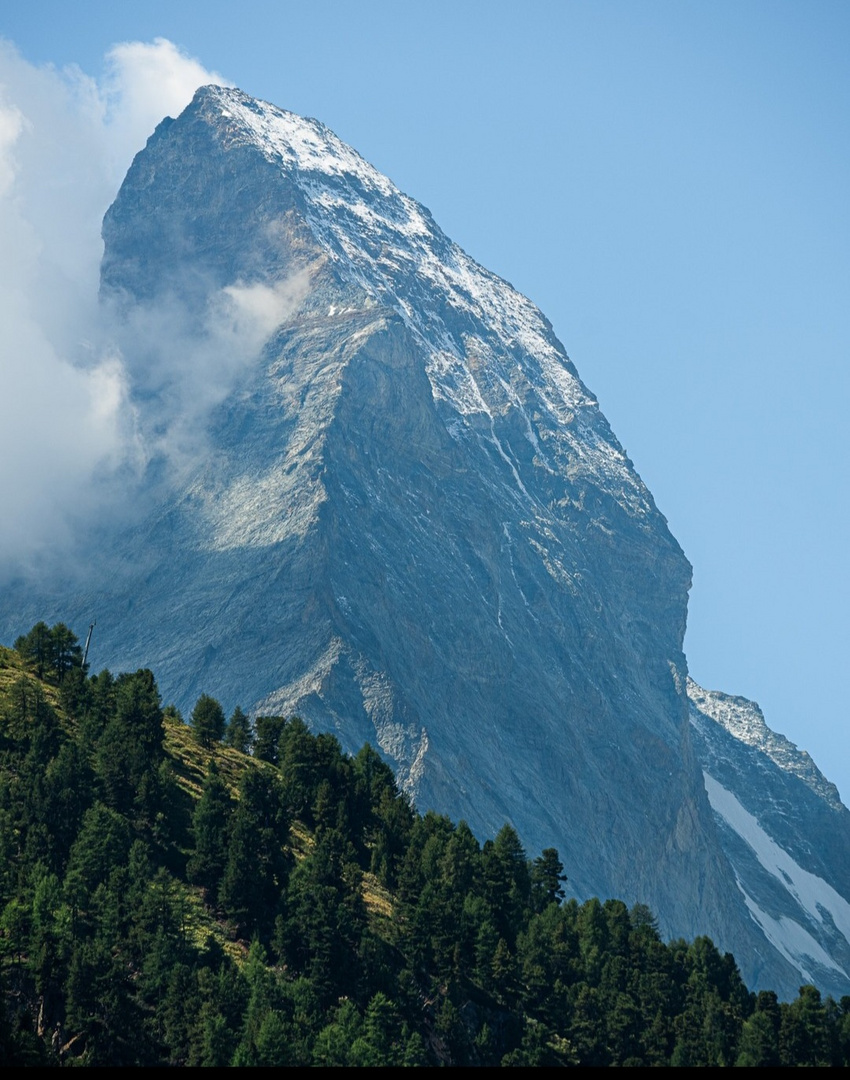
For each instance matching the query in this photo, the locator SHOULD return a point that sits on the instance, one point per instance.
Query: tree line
(236, 892)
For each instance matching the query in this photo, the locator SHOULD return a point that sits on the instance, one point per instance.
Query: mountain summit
(410, 523)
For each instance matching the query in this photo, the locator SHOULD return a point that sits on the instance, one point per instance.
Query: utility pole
(88, 640)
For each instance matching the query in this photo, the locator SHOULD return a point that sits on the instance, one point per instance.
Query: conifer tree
(547, 876)
(207, 721)
(209, 827)
(238, 732)
(257, 866)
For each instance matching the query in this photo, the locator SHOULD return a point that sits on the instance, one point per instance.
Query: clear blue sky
(670, 182)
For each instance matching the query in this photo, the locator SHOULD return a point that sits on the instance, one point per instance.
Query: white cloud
(67, 419)
(11, 124)
(245, 315)
(145, 82)
(183, 371)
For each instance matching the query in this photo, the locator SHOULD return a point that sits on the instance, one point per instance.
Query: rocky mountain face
(412, 525)
(784, 830)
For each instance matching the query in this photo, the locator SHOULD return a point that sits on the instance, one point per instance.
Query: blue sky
(669, 182)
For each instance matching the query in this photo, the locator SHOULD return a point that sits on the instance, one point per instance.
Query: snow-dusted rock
(785, 832)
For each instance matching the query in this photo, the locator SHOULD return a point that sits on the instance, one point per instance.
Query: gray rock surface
(785, 832)
(410, 523)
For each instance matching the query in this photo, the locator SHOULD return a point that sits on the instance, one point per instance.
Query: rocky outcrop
(785, 832)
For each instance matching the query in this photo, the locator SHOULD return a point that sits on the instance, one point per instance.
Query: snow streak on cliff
(785, 832)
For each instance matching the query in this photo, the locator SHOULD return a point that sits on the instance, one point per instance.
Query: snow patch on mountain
(792, 941)
(813, 896)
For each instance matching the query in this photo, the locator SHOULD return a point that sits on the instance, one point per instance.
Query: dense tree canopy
(166, 899)
(52, 651)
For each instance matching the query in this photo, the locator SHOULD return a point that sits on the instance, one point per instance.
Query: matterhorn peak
(411, 524)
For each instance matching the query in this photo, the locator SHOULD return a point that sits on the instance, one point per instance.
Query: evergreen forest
(226, 891)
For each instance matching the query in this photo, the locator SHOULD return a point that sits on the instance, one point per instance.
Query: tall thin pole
(88, 640)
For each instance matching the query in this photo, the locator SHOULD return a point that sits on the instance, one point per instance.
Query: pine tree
(210, 830)
(207, 721)
(547, 875)
(238, 732)
(257, 866)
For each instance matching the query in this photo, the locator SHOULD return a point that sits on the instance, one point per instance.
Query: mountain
(392, 507)
(785, 832)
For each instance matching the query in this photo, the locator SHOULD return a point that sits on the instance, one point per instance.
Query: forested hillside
(221, 892)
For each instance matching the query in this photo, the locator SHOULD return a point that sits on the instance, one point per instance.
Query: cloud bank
(73, 419)
(180, 371)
